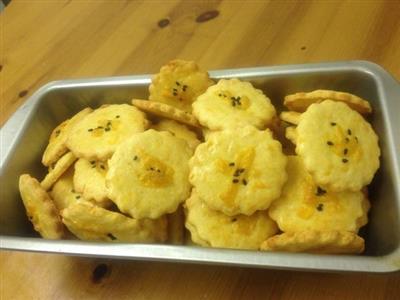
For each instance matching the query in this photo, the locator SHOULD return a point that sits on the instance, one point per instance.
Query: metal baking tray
(24, 136)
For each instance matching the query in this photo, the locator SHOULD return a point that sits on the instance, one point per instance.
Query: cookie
(291, 117)
(166, 111)
(146, 178)
(233, 103)
(301, 101)
(63, 192)
(178, 130)
(304, 206)
(222, 231)
(90, 222)
(57, 143)
(40, 209)
(99, 133)
(320, 242)
(90, 180)
(239, 171)
(178, 84)
(290, 134)
(339, 148)
(194, 236)
(60, 167)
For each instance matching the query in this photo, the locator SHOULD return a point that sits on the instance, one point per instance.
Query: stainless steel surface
(25, 135)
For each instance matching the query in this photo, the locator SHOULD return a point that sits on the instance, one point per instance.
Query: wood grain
(48, 40)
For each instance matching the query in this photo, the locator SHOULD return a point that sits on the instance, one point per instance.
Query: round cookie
(60, 167)
(90, 180)
(305, 206)
(40, 208)
(148, 174)
(178, 130)
(99, 133)
(233, 103)
(320, 242)
(338, 147)
(222, 231)
(90, 222)
(239, 171)
(178, 84)
(58, 138)
(301, 101)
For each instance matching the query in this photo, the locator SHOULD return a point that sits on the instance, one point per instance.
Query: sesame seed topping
(345, 160)
(320, 207)
(345, 151)
(231, 164)
(329, 143)
(333, 124)
(235, 180)
(320, 191)
(348, 131)
(244, 181)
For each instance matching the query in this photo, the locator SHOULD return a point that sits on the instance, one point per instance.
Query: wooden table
(46, 40)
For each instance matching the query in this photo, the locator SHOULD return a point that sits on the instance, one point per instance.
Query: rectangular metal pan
(24, 136)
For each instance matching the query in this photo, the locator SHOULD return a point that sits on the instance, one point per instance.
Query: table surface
(43, 41)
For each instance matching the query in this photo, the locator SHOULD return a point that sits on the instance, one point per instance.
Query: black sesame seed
(93, 162)
(329, 143)
(90, 129)
(348, 131)
(231, 164)
(219, 95)
(234, 220)
(345, 151)
(347, 140)
(184, 88)
(117, 116)
(333, 123)
(244, 181)
(356, 139)
(320, 207)
(233, 98)
(320, 191)
(101, 166)
(77, 197)
(135, 157)
(158, 170)
(107, 129)
(235, 180)
(241, 170)
(175, 94)
(175, 90)
(345, 160)
(177, 83)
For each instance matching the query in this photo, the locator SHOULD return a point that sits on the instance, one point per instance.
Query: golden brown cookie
(40, 209)
(233, 103)
(338, 147)
(178, 84)
(178, 130)
(99, 133)
(146, 178)
(166, 111)
(321, 242)
(90, 222)
(239, 171)
(90, 180)
(221, 231)
(301, 101)
(60, 167)
(57, 143)
(305, 206)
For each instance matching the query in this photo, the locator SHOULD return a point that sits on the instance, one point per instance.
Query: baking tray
(24, 137)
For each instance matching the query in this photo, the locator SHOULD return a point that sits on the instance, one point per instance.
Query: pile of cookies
(208, 156)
